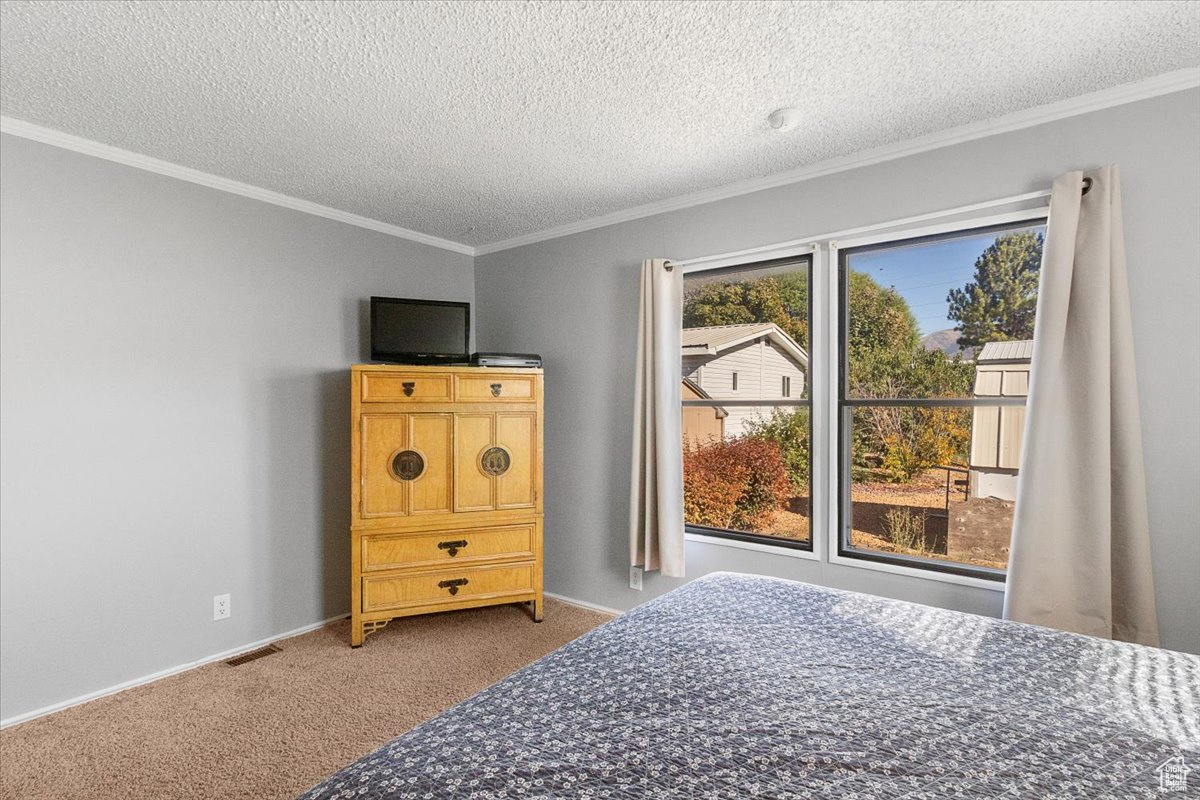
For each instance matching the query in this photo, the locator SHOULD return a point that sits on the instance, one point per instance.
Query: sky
(924, 274)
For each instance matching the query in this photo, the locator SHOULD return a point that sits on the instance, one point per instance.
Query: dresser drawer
(406, 387)
(495, 389)
(380, 593)
(399, 551)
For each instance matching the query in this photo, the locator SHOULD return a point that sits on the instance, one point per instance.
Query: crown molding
(1167, 83)
(67, 141)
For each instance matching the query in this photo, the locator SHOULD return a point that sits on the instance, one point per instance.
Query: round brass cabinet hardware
(495, 461)
(408, 465)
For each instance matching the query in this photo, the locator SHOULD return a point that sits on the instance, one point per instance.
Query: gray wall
(175, 415)
(574, 299)
(173, 389)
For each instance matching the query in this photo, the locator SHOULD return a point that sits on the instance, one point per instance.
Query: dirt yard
(970, 530)
(973, 531)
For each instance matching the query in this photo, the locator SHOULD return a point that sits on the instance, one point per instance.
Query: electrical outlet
(635, 578)
(221, 607)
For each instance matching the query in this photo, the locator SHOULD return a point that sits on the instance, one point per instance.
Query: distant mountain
(947, 342)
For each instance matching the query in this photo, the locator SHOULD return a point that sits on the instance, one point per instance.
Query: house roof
(714, 339)
(1006, 351)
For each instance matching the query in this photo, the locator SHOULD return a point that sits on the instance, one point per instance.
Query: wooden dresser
(446, 491)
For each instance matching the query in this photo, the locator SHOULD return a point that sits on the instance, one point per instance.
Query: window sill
(847, 561)
(916, 572)
(762, 547)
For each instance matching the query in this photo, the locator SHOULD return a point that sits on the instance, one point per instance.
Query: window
(747, 451)
(934, 359)
(922, 359)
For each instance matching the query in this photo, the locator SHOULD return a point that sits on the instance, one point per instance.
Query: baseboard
(584, 604)
(166, 673)
(151, 678)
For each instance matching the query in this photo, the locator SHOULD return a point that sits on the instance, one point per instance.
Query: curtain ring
(668, 266)
(1087, 186)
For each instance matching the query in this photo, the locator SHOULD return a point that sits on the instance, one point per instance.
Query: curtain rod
(864, 229)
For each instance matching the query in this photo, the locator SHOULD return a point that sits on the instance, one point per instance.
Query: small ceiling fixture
(784, 119)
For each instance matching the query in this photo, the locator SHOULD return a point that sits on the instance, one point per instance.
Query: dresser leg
(537, 609)
(360, 632)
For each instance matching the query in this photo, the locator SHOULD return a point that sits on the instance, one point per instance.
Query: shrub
(906, 528)
(710, 495)
(790, 430)
(739, 483)
(895, 444)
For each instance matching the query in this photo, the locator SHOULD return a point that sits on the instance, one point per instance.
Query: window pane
(746, 329)
(919, 316)
(754, 483)
(941, 486)
(745, 339)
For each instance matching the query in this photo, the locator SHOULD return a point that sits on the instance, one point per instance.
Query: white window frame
(825, 328)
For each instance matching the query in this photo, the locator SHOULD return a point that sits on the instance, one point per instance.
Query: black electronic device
(408, 331)
(506, 360)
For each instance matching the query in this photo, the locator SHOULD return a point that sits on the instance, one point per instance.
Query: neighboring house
(1001, 370)
(701, 423)
(756, 361)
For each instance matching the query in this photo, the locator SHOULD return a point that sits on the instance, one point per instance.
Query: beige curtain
(656, 495)
(1080, 558)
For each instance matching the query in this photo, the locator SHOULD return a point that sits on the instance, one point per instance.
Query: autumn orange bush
(738, 484)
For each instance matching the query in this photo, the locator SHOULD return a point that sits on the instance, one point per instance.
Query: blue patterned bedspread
(738, 687)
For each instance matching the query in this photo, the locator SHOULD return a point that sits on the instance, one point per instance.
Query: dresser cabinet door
(516, 435)
(384, 444)
(496, 458)
(406, 464)
(432, 436)
(473, 490)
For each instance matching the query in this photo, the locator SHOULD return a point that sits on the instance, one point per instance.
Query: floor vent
(253, 655)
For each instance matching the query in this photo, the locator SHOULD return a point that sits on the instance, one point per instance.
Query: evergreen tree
(1000, 304)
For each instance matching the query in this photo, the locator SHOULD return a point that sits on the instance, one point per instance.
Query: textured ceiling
(478, 121)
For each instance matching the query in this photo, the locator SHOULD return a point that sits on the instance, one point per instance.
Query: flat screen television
(420, 331)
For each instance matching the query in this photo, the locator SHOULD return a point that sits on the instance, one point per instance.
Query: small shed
(701, 424)
(1001, 370)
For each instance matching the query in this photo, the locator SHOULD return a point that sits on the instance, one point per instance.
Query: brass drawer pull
(453, 585)
(496, 387)
(408, 388)
(452, 547)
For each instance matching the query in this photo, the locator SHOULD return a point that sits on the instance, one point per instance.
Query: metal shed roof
(1012, 352)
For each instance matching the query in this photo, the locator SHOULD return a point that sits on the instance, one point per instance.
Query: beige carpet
(273, 727)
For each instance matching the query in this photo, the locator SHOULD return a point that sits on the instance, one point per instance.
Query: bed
(738, 686)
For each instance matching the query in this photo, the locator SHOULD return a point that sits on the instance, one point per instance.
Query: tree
(885, 360)
(1000, 304)
(878, 319)
(780, 299)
